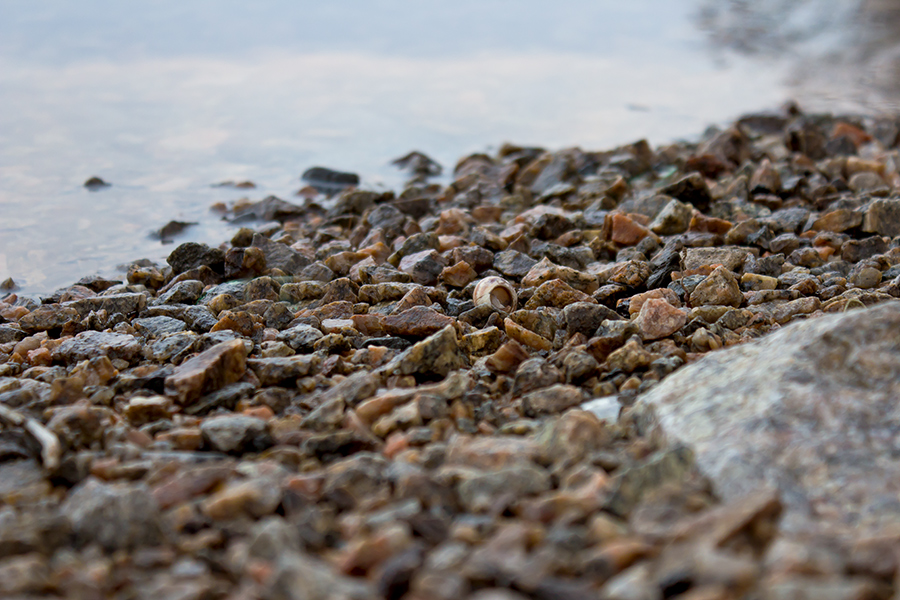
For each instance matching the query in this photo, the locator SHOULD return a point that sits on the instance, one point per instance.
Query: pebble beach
(634, 373)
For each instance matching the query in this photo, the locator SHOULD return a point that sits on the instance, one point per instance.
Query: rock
(236, 434)
(192, 255)
(659, 319)
(883, 217)
(746, 411)
(545, 271)
(534, 374)
(114, 516)
(280, 256)
(329, 181)
(513, 263)
(437, 354)
(300, 337)
(586, 317)
(418, 321)
(46, 318)
(674, 218)
(283, 369)
(478, 493)
(731, 258)
(424, 267)
(152, 327)
(183, 292)
(91, 344)
(691, 189)
(719, 288)
(556, 293)
(210, 370)
(551, 400)
(625, 231)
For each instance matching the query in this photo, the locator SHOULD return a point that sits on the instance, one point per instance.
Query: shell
(496, 292)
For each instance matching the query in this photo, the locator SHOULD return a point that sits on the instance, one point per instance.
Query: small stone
(236, 434)
(659, 319)
(586, 317)
(534, 374)
(525, 336)
(838, 220)
(674, 218)
(114, 516)
(691, 189)
(210, 370)
(556, 293)
(720, 288)
(191, 255)
(883, 217)
(630, 357)
(866, 278)
(752, 281)
(152, 327)
(513, 263)
(254, 497)
(731, 258)
(142, 410)
(459, 275)
(280, 370)
(626, 231)
(49, 317)
(91, 344)
(551, 400)
(437, 354)
(545, 271)
(424, 267)
(418, 321)
(183, 292)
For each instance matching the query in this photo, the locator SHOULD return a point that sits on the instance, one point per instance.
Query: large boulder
(810, 410)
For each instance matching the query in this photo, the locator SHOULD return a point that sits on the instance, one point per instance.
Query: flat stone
(748, 413)
(545, 271)
(91, 344)
(47, 317)
(556, 293)
(731, 258)
(418, 321)
(279, 369)
(551, 400)
(424, 267)
(513, 263)
(183, 292)
(586, 317)
(300, 337)
(210, 370)
(158, 326)
(236, 434)
(114, 516)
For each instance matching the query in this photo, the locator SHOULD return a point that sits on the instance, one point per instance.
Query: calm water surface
(165, 98)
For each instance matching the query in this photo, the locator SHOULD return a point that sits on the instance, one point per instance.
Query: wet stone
(418, 321)
(191, 255)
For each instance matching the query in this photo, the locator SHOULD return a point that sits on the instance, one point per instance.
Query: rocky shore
(635, 374)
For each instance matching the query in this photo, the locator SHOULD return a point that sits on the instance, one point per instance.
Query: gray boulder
(810, 410)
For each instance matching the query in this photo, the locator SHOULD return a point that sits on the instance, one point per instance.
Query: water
(164, 99)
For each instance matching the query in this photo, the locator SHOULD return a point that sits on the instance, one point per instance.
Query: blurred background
(164, 98)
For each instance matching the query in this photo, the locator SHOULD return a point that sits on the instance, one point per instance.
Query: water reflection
(844, 55)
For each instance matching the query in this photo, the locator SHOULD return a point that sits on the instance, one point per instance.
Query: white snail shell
(496, 292)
